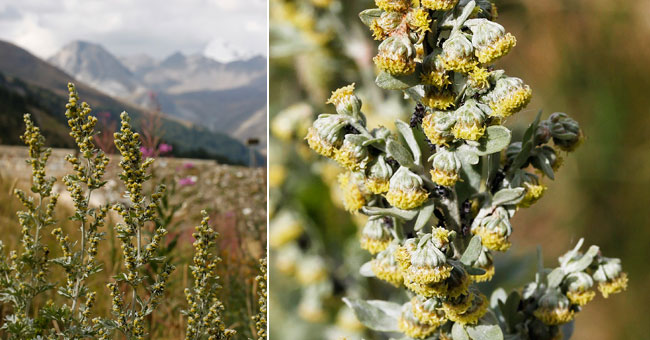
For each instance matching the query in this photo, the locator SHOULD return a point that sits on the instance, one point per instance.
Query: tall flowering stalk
(441, 194)
(79, 262)
(23, 274)
(260, 318)
(129, 315)
(204, 314)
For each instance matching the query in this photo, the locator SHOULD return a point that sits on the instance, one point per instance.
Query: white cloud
(125, 27)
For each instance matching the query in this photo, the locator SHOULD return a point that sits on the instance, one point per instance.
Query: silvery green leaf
(509, 309)
(406, 132)
(485, 332)
(473, 251)
(458, 332)
(416, 93)
(585, 261)
(374, 141)
(555, 277)
(394, 212)
(467, 11)
(508, 196)
(471, 180)
(499, 294)
(366, 270)
(495, 139)
(544, 164)
(459, 82)
(376, 314)
(467, 154)
(388, 81)
(567, 330)
(402, 155)
(356, 138)
(368, 15)
(530, 131)
(424, 215)
(522, 156)
(474, 270)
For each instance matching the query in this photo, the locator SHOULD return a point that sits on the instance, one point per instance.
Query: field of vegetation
(232, 281)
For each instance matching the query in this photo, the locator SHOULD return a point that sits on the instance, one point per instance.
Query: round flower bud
(346, 102)
(439, 99)
(396, 55)
(509, 96)
(458, 53)
(543, 132)
(486, 263)
(292, 122)
(378, 176)
(418, 20)
(428, 311)
(352, 185)
(287, 258)
(386, 24)
(311, 270)
(426, 263)
(458, 282)
(534, 189)
(393, 5)
(445, 168)
(284, 228)
(347, 320)
(470, 120)
(376, 234)
(610, 276)
(352, 155)
(405, 190)
(490, 40)
(326, 134)
(411, 326)
(494, 229)
(437, 126)
(479, 80)
(433, 73)
(477, 308)
(578, 287)
(565, 131)
(311, 309)
(439, 5)
(386, 267)
(553, 308)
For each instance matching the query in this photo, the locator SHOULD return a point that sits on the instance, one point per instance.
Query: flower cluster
(25, 272)
(440, 195)
(204, 313)
(260, 318)
(137, 253)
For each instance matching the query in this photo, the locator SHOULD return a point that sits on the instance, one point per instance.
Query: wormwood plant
(440, 196)
(139, 286)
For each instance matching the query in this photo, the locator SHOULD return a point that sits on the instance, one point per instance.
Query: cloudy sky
(218, 28)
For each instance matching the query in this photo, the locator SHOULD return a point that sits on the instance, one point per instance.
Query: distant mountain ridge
(29, 84)
(186, 85)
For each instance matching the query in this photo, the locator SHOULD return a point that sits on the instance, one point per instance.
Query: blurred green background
(585, 58)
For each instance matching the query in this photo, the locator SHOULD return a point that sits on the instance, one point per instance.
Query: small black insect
(465, 229)
(466, 208)
(418, 114)
(441, 191)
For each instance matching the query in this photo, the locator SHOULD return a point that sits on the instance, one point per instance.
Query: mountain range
(29, 84)
(222, 97)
